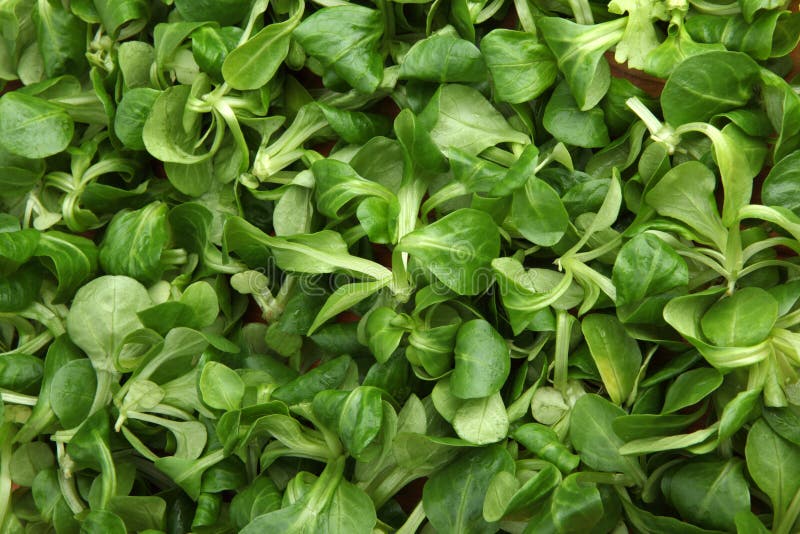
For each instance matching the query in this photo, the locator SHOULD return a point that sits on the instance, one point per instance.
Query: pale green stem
(60, 180)
(582, 11)
(613, 479)
(259, 6)
(585, 272)
(413, 521)
(599, 251)
(767, 263)
(733, 256)
(790, 517)
(563, 334)
(660, 132)
(755, 248)
(789, 320)
(525, 16)
(266, 165)
(448, 192)
(6, 438)
(104, 167)
(108, 477)
(708, 262)
(17, 398)
(499, 156)
(105, 379)
(704, 6)
(389, 485)
(49, 318)
(174, 257)
(710, 252)
(66, 482)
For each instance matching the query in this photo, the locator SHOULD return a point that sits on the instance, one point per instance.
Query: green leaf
(685, 314)
(741, 320)
(322, 252)
(522, 68)
(344, 38)
(420, 153)
(784, 422)
(72, 391)
(19, 290)
(538, 213)
(221, 387)
(338, 185)
(453, 497)
(577, 506)
(782, 108)
(460, 117)
(329, 375)
(702, 439)
(774, 464)
(260, 497)
(748, 522)
(103, 522)
(482, 361)
(750, 7)
(782, 185)
(360, 419)
(309, 513)
(571, 125)
(61, 37)
(686, 193)
(354, 127)
(579, 51)
(103, 313)
(32, 127)
(501, 490)
(139, 512)
(545, 443)
(16, 248)
(224, 12)
(646, 266)
(757, 37)
(594, 439)
(378, 218)
(642, 425)
(21, 373)
(526, 293)
(30, 459)
(72, 258)
(615, 353)
(443, 57)
(737, 412)
(123, 19)
(132, 112)
(351, 510)
(18, 174)
(457, 249)
(188, 473)
(254, 63)
(344, 298)
(640, 37)
(211, 46)
(482, 421)
(649, 523)
(135, 59)
(708, 84)
(709, 493)
(690, 388)
(170, 131)
(134, 242)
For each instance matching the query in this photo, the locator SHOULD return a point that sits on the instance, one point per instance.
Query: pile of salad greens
(410, 266)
